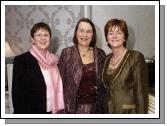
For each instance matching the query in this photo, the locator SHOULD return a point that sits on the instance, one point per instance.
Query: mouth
(115, 40)
(43, 43)
(84, 39)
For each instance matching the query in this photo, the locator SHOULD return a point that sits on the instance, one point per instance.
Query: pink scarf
(50, 63)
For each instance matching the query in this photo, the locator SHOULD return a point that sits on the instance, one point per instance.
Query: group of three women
(83, 80)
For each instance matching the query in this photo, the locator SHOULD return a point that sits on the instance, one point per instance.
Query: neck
(43, 52)
(118, 51)
(83, 48)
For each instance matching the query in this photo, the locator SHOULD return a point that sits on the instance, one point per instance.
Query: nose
(43, 36)
(84, 34)
(114, 35)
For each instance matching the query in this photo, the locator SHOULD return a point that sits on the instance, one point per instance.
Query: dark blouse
(87, 88)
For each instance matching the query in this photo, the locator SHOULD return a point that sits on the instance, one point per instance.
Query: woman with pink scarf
(37, 84)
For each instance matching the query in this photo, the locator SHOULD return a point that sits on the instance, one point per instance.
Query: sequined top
(87, 88)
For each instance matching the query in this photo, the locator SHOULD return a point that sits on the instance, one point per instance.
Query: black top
(28, 86)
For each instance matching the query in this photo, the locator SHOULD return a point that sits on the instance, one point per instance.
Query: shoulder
(67, 49)
(67, 53)
(108, 56)
(23, 58)
(100, 51)
(136, 55)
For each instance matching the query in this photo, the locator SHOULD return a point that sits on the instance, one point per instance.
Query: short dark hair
(116, 22)
(93, 41)
(38, 26)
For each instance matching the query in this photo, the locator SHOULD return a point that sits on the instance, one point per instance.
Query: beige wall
(141, 25)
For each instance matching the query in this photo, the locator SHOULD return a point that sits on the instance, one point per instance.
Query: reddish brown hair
(120, 24)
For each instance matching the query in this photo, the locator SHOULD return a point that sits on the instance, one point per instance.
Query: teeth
(84, 39)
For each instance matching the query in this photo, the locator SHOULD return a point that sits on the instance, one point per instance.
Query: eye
(81, 30)
(46, 35)
(89, 31)
(38, 35)
(110, 33)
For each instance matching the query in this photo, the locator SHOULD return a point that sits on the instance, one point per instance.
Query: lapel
(96, 58)
(120, 67)
(106, 64)
(35, 71)
(78, 66)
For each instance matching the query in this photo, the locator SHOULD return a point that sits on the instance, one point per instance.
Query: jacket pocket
(129, 108)
(110, 107)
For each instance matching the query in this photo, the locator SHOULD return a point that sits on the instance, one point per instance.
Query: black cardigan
(28, 86)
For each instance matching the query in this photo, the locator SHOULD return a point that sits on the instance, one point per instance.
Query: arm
(62, 64)
(62, 69)
(18, 87)
(141, 87)
(102, 91)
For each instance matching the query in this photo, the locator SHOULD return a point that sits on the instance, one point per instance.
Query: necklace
(114, 63)
(84, 54)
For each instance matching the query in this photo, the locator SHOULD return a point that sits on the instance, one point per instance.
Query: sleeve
(141, 87)
(62, 69)
(18, 87)
(101, 108)
(62, 65)
(106, 59)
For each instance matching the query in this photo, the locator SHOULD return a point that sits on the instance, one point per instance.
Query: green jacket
(127, 86)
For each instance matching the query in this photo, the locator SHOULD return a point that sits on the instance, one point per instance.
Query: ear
(124, 39)
(33, 42)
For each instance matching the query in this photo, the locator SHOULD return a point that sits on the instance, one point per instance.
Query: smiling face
(84, 34)
(116, 29)
(41, 39)
(116, 37)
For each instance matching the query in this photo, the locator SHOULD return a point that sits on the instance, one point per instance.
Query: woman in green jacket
(125, 73)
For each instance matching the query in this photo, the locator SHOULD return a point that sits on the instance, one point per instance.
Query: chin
(84, 44)
(115, 46)
(44, 48)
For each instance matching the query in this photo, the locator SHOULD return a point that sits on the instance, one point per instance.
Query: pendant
(83, 55)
